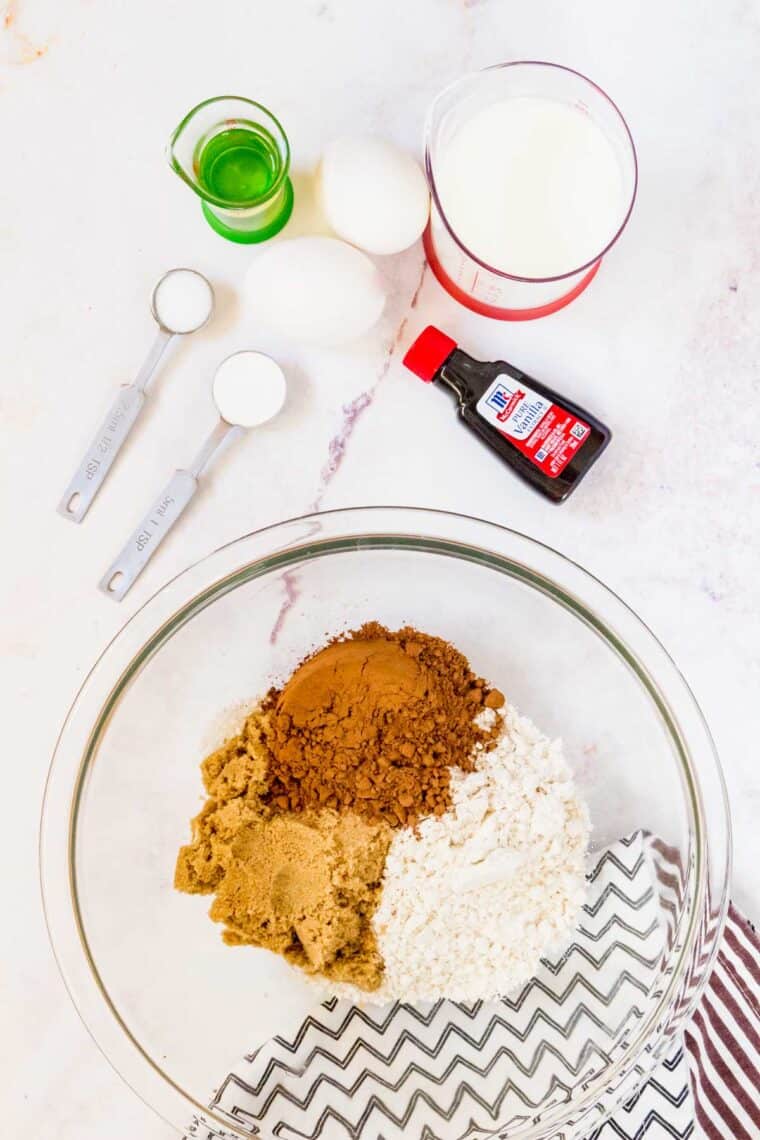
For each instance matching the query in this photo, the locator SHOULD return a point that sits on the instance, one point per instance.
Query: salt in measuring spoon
(182, 302)
(249, 389)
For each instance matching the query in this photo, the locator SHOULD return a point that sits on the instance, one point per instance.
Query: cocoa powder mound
(373, 723)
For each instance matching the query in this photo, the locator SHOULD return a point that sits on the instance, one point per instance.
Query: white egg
(373, 194)
(315, 290)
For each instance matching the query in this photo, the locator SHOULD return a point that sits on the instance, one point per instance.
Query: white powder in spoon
(473, 899)
(183, 300)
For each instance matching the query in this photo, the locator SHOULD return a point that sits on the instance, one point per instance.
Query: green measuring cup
(235, 156)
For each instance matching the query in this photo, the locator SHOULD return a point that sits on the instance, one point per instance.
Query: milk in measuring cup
(528, 186)
(531, 186)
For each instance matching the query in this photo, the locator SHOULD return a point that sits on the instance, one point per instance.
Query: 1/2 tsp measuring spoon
(249, 389)
(182, 302)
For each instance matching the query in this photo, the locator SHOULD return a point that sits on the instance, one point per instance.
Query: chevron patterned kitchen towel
(475, 1070)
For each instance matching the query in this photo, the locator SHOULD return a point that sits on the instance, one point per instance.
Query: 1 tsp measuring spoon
(248, 389)
(182, 302)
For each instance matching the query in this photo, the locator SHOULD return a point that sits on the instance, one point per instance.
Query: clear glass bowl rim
(560, 578)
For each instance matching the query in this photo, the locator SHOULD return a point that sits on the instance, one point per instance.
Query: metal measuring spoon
(248, 389)
(182, 302)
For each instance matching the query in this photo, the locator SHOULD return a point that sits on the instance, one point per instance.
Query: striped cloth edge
(723, 1038)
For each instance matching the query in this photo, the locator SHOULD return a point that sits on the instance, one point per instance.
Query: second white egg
(315, 290)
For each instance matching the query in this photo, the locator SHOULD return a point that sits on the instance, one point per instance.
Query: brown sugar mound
(235, 779)
(373, 723)
(305, 886)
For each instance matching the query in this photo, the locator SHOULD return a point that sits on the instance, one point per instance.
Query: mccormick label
(547, 434)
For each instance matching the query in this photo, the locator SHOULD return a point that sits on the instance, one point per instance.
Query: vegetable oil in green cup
(235, 156)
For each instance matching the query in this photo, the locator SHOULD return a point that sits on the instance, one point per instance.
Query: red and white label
(544, 432)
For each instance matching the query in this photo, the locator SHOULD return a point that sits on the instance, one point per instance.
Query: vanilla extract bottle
(549, 441)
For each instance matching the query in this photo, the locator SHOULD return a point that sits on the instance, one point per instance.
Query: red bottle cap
(428, 353)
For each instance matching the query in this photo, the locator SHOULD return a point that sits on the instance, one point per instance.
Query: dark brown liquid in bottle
(470, 381)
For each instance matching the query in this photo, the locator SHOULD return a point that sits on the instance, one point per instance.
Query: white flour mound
(473, 899)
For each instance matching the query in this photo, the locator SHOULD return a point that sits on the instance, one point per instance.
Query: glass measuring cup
(249, 389)
(234, 154)
(496, 287)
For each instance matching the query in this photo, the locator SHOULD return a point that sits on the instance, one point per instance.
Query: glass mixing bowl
(176, 1011)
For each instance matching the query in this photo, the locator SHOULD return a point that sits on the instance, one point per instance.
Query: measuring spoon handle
(121, 418)
(90, 475)
(148, 536)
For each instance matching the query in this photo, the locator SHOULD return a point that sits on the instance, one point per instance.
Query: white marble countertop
(664, 346)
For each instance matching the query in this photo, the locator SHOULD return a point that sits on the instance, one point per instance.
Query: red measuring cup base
(494, 311)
